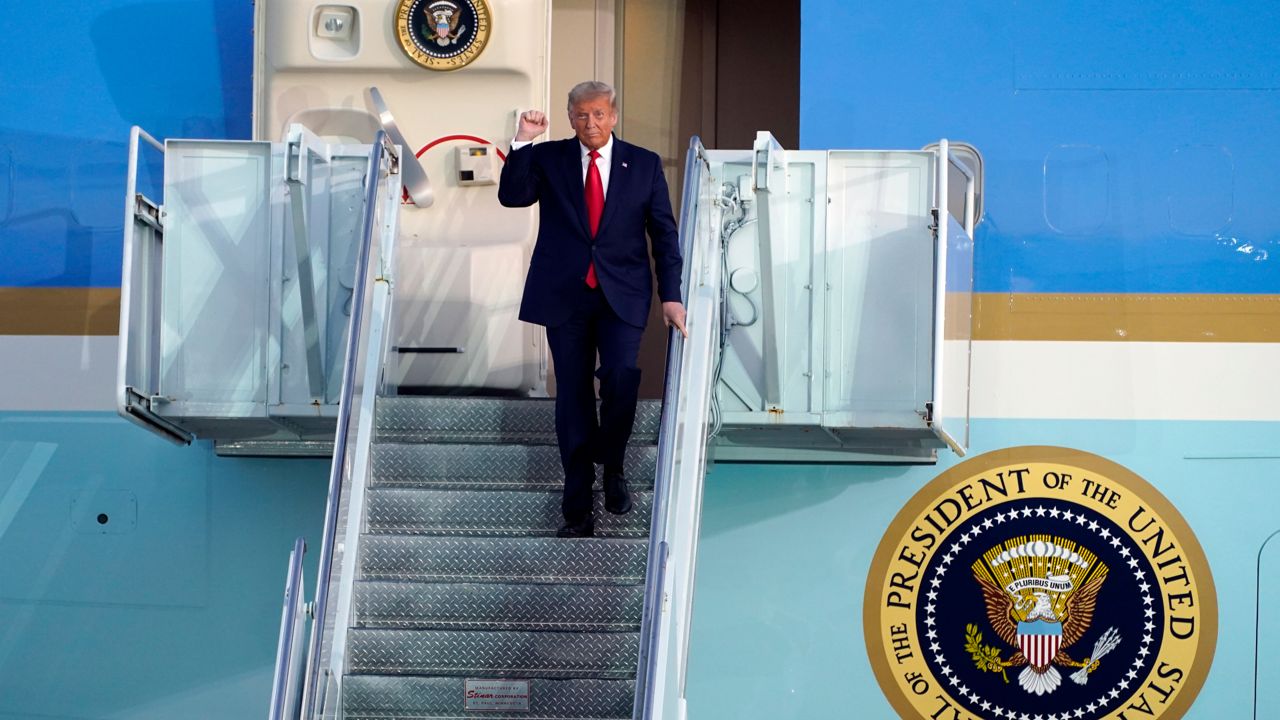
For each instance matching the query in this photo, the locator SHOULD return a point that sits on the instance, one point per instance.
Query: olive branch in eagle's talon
(985, 657)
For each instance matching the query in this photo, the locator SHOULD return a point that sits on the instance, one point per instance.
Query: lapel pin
(624, 164)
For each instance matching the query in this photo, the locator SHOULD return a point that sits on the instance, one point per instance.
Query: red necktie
(593, 193)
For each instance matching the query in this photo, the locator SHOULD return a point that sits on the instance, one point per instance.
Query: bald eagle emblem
(1040, 593)
(443, 18)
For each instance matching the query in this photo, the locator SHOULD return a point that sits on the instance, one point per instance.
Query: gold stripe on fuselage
(59, 311)
(1123, 317)
(997, 316)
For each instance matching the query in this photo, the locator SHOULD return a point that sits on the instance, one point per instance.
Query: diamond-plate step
(496, 654)
(589, 561)
(486, 420)
(398, 511)
(379, 697)
(490, 466)
(493, 606)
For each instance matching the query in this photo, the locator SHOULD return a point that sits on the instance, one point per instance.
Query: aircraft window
(1077, 189)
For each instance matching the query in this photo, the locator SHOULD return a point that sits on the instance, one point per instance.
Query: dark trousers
(585, 440)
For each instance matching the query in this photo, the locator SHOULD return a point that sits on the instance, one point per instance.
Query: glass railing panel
(366, 349)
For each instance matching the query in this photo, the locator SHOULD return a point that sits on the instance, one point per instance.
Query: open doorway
(718, 69)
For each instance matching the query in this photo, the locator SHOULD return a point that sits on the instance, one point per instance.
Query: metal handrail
(283, 687)
(655, 578)
(321, 605)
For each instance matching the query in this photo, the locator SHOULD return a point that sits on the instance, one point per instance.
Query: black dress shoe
(617, 496)
(584, 529)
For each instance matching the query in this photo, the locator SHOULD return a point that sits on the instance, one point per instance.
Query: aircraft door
(452, 94)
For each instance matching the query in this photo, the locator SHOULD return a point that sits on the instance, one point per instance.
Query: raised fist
(532, 124)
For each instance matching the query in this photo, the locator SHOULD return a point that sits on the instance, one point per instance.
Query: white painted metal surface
(770, 182)
(796, 308)
(464, 258)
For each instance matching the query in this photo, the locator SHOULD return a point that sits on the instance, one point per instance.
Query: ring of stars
(1103, 534)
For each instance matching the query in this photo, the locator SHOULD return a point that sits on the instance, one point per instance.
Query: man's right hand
(532, 124)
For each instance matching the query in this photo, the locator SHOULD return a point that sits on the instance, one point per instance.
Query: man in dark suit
(589, 282)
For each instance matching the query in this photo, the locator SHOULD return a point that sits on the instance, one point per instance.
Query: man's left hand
(673, 315)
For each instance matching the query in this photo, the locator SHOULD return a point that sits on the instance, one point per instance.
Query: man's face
(593, 121)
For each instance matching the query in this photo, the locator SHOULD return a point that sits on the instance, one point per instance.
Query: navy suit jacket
(550, 174)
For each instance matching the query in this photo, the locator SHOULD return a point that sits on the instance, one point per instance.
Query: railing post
(771, 193)
(140, 287)
(298, 178)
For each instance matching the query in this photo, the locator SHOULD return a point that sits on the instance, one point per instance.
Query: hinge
(146, 211)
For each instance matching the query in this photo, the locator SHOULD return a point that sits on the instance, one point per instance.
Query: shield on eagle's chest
(1039, 641)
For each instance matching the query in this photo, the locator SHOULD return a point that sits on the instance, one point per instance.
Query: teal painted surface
(173, 616)
(785, 549)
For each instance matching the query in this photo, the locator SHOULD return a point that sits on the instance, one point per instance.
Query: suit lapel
(619, 183)
(573, 180)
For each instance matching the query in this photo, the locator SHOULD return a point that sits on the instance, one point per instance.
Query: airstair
(452, 597)
(828, 312)
(444, 593)
(459, 575)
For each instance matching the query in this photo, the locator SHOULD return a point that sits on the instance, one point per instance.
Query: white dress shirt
(603, 162)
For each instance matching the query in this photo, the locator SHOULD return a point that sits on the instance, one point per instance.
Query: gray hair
(590, 89)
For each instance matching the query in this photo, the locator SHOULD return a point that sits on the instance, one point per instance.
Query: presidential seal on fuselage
(1040, 582)
(442, 34)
